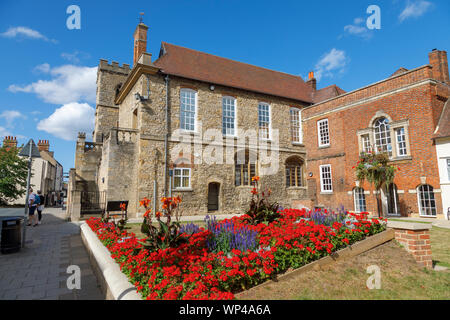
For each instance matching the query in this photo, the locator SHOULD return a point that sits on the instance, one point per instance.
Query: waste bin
(11, 234)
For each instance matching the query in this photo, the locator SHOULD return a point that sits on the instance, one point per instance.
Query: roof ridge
(248, 64)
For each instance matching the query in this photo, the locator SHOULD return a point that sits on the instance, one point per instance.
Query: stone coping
(114, 282)
(409, 225)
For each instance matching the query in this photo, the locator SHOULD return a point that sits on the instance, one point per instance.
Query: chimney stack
(10, 142)
(140, 41)
(312, 81)
(43, 145)
(439, 62)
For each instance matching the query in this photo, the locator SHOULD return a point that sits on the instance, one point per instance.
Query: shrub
(261, 209)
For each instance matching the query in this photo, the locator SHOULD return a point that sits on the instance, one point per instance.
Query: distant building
(47, 173)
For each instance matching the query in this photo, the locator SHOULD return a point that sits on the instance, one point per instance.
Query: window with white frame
(229, 116)
(188, 108)
(427, 203)
(326, 182)
(365, 142)
(182, 178)
(382, 135)
(401, 142)
(359, 199)
(296, 125)
(323, 133)
(264, 120)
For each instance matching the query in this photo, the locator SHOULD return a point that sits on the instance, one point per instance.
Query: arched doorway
(213, 196)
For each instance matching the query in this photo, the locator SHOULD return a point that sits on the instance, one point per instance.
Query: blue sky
(48, 72)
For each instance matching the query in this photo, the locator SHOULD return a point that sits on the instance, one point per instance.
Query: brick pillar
(415, 237)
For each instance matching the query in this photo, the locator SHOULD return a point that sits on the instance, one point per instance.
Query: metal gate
(92, 202)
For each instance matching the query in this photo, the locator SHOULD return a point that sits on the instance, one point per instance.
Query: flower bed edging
(114, 283)
(348, 252)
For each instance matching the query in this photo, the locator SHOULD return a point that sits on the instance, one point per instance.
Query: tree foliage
(13, 174)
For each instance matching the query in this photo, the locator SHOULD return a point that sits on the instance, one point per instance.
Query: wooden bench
(113, 209)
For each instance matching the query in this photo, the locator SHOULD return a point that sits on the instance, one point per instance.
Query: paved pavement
(39, 271)
(441, 223)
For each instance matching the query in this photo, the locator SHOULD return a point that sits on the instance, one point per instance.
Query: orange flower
(254, 191)
(158, 214)
(147, 213)
(144, 202)
(255, 178)
(123, 206)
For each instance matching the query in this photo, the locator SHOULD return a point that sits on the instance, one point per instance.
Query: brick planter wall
(415, 237)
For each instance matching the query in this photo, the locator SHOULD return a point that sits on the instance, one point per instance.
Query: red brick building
(399, 115)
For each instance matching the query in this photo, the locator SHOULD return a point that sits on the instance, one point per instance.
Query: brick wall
(411, 97)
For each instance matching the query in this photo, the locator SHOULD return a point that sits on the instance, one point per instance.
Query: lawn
(401, 277)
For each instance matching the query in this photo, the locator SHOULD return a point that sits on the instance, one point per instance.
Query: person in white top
(32, 208)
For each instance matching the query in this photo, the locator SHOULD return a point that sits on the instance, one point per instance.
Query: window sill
(182, 190)
(326, 192)
(244, 187)
(296, 188)
(400, 158)
(300, 144)
(324, 146)
(189, 133)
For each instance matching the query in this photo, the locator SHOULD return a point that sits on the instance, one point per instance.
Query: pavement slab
(39, 270)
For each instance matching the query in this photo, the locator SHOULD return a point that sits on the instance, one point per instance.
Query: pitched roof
(192, 64)
(327, 93)
(443, 127)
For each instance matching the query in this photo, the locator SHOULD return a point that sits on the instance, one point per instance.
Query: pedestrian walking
(32, 205)
(40, 207)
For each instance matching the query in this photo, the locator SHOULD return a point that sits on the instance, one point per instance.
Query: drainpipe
(166, 137)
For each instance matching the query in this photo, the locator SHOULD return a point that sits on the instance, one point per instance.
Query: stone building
(195, 125)
(200, 126)
(399, 115)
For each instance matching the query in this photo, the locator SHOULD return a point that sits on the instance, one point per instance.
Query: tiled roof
(443, 127)
(192, 64)
(327, 93)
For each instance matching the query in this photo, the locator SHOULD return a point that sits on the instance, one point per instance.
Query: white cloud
(75, 57)
(331, 62)
(42, 68)
(414, 9)
(9, 116)
(25, 32)
(358, 28)
(68, 120)
(69, 83)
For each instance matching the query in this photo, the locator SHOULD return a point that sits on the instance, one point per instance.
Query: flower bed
(208, 264)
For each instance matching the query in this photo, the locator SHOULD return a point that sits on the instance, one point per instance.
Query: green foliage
(166, 234)
(261, 209)
(375, 168)
(13, 174)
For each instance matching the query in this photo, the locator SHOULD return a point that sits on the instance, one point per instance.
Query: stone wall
(149, 118)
